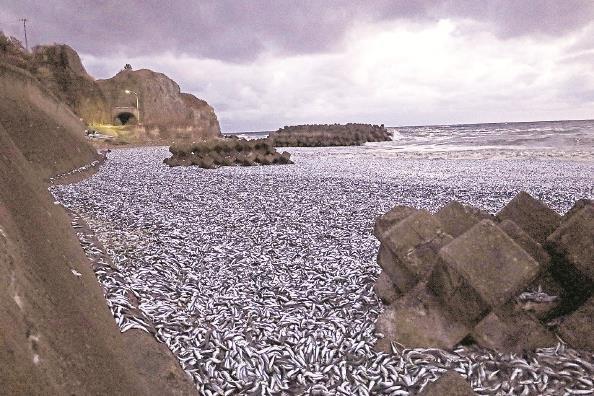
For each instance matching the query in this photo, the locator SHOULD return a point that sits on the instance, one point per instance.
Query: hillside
(43, 128)
(61, 70)
(57, 335)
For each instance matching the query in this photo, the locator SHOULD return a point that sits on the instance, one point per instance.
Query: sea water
(559, 139)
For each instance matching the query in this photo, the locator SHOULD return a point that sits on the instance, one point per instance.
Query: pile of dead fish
(81, 169)
(260, 279)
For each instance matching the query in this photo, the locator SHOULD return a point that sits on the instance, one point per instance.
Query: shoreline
(153, 358)
(80, 174)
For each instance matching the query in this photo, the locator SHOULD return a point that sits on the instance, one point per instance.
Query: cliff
(57, 335)
(166, 114)
(60, 69)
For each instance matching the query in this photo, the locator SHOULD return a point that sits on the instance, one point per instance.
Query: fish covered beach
(275, 198)
(260, 279)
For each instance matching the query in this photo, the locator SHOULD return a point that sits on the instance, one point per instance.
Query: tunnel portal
(125, 118)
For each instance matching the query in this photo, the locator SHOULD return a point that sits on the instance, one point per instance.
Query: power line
(24, 20)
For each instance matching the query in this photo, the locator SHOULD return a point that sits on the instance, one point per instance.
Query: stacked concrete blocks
(463, 272)
(409, 248)
(481, 270)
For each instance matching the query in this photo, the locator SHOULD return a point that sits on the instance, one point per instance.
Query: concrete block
(401, 277)
(415, 241)
(421, 260)
(481, 214)
(481, 270)
(449, 384)
(456, 218)
(532, 215)
(577, 329)
(460, 298)
(573, 241)
(387, 220)
(510, 329)
(577, 206)
(414, 230)
(385, 289)
(526, 242)
(419, 319)
(545, 282)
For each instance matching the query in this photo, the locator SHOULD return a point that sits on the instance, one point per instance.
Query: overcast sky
(265, 64)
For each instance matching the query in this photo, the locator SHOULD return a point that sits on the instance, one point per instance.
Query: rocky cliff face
(163, 108)
(166, 114)
(59, 68)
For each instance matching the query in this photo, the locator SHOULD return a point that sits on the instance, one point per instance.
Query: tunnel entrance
(125, 118)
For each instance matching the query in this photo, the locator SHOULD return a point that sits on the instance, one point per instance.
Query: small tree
(128, 66)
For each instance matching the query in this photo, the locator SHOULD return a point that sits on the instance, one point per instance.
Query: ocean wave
(558, 138)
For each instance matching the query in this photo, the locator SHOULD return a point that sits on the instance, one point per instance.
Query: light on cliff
(137, 102)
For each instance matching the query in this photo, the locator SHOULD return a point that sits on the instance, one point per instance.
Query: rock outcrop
(164, 114)
(463, 275)
(60, 69)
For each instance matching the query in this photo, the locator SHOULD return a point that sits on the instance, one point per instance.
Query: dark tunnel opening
(125, 118)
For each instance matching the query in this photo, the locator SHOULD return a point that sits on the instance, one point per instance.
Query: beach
(314, 198)
(260, 279)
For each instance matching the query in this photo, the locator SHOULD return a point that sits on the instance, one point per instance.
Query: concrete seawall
(57, 335)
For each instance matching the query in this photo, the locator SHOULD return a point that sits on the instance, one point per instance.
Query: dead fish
(258, 295)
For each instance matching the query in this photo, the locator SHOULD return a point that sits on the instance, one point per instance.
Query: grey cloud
(238, 31)
(511, 18)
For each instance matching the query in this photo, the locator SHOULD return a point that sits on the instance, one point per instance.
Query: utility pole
(24, 20)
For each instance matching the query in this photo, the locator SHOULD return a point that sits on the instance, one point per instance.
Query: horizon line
(432, 125)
